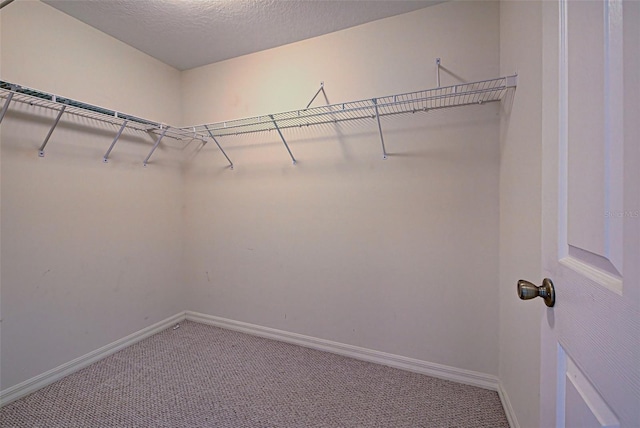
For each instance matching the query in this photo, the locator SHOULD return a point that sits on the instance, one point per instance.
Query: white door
(590, 361)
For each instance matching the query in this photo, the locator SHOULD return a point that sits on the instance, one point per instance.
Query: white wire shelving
(480, 92)
(372, 109)
(14, 93)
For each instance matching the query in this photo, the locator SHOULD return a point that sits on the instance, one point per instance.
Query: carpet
(204, 376)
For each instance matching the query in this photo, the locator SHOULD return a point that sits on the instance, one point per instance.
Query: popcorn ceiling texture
(189, 33)
(203, 376)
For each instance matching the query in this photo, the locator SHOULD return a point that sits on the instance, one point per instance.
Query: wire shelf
(412, 102)
(480, 92)
(45, 100)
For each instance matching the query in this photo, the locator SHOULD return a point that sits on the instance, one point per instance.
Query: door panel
(590, 362)
(583, 404)
(594, 142)
(586, 167)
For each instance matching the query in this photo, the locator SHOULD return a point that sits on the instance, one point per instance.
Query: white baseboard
(508, 408)
(31, 385)
(468, 377)
(441, 371)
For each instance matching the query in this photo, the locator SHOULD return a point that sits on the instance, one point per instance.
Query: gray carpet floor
(203, 376)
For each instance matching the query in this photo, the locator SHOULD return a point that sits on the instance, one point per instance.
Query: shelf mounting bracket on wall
(155, 146)
(282, 137)
(46, 140)
(438, 72)
(314, 97)
(218, 144)
(105, 158)
(375, 106)
(6, 106)
(5, 3)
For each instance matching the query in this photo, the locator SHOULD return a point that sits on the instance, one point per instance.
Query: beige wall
(91, 252)
(520, 207)
(46, 49)
(397, 255)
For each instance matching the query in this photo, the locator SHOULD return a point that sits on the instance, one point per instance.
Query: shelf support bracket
(438, 72)
(105, 159)
(219, 146)
(155, 146)
(5, 3)
(314, 97)
(511, 81)
(6, 106)
(375, 106)
(46, 140)
(282, 137)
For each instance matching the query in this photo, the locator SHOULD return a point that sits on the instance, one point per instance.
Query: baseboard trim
(441, 371)
(31, 385)
(508, 408)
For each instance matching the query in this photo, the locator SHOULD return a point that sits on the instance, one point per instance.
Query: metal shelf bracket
(155, 146)
(314, 97)
(6, 106)
(46, 140)
(105, 159)
(438, 72)
(375, 106)
(5, 3)
(218, 144)
(282, 137)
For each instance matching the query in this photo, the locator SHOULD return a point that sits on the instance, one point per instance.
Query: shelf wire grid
(480, 92)
(48, 101)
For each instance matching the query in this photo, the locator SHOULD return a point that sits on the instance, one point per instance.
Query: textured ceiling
(190, 33)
